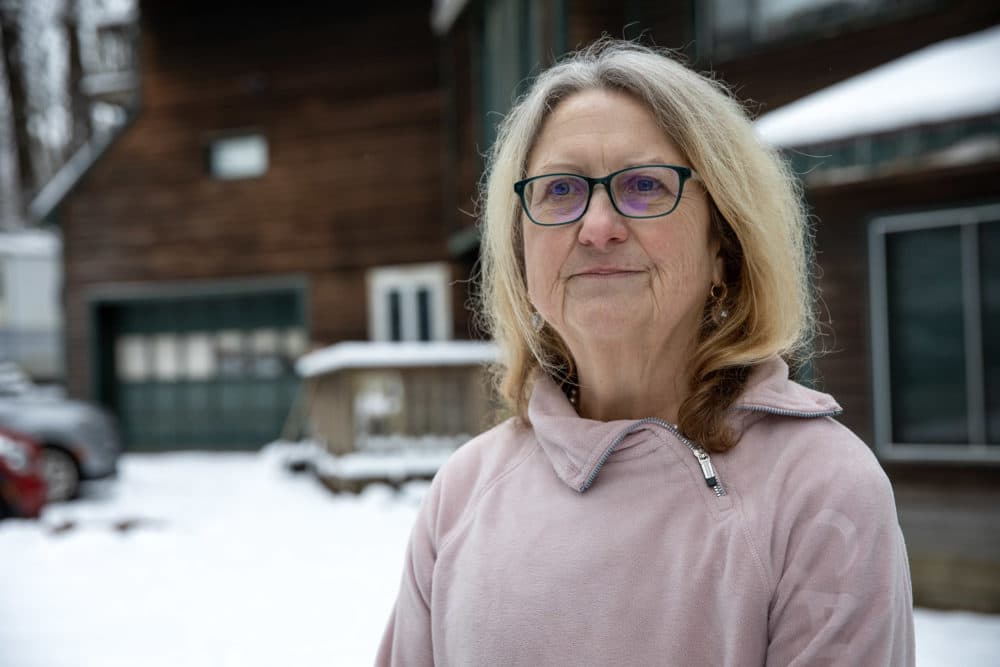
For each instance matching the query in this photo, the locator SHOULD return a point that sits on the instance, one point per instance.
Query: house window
(517, 36)
(409, 303)
(936, 333)
(734, 26)
(857, 158)
(235, 157)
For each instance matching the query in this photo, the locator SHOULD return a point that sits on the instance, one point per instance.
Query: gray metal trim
(975, 381)
(129, 291)
(958, 453)
(930, 219)
(879, 303)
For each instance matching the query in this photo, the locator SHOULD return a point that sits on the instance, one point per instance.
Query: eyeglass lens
(639, 192)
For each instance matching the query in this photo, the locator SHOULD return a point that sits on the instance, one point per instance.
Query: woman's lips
(606, 273)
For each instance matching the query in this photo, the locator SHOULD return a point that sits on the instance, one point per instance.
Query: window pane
(132, 359)
(166, 357)
(395, 316)
(295, 343)
(782, 17)
(267, 362)
(507, 54)
(926, 337)
(229, 348)
(423, 314)
(989, 266)
(200, 356)
(732, 20)
(238, 157)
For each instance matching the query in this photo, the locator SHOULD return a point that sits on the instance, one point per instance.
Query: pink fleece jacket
(576, 542)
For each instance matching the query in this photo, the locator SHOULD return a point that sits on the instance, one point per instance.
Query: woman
(665, 494)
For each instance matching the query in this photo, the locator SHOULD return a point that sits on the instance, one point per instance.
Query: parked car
(79, 441)
(22, 486)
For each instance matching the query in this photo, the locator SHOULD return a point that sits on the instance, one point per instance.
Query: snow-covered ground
(196, 559)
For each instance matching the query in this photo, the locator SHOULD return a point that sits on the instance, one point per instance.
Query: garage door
(205, 372)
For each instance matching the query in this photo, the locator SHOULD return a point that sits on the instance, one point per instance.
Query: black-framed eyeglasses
(645, 191)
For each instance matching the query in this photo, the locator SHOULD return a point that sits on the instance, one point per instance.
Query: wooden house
(302, 174)
(920, 197)
(278, 188)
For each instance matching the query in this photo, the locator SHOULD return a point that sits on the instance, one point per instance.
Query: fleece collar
(577, 447)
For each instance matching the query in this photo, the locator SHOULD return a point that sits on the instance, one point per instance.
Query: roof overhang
(950, 80)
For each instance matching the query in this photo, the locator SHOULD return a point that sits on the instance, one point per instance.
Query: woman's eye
(646, 184)
(560, 188)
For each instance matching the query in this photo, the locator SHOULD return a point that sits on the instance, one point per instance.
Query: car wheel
(61, 474)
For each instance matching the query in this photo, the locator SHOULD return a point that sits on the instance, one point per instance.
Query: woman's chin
(612, 322)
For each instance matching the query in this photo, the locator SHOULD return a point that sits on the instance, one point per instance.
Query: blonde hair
(756, 210)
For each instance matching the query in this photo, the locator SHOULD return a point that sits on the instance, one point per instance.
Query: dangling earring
(574, 396)
(536, 321)
(719, 311)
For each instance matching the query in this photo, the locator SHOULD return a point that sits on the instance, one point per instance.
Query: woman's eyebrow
(574, 168)
(558, 167)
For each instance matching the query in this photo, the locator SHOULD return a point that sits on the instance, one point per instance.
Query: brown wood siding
(950, 516)
(589, 19)
(350, 104)
(462, 130)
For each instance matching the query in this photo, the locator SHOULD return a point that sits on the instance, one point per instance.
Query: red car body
(22, 486)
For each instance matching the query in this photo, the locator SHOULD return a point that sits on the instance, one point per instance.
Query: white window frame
(407, 279)
(968, 218)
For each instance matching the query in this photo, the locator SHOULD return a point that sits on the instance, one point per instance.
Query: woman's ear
(719, 265)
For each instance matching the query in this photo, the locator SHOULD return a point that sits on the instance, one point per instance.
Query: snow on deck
(956, 78)
(360, 354)
(31, 242)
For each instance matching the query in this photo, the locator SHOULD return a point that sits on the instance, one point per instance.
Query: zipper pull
(706, 467)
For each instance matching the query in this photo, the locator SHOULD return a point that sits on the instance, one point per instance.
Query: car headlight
(14, 454)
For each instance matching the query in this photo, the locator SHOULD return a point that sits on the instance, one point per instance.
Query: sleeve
(407, 637)
(843, 593)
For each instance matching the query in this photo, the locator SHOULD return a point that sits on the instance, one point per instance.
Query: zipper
(704, 461)
(781, 412)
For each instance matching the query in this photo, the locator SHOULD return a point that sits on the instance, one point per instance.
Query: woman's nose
(602, 226)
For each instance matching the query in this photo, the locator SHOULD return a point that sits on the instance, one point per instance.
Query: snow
(362, 354)
(391, 458)
(226, 559)
(231, 561)
(373, 466)
(948, 80)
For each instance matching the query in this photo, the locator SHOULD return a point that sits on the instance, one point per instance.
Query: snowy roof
(393, 355)
(948, 80)
(34, 243)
